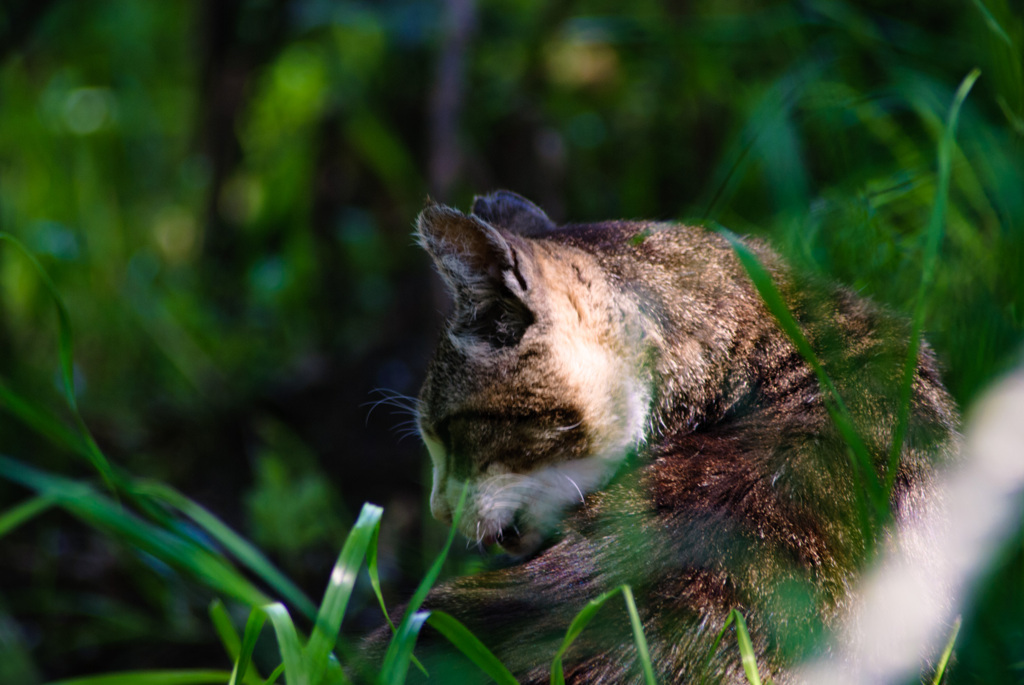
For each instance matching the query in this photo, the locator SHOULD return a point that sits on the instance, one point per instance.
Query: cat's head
(536, 392)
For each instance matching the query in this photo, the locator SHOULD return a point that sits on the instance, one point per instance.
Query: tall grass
(156, 519)
(154, 528)
(874, 495)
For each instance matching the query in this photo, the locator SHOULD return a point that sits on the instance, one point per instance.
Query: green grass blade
(940, 670)
(274, 675)
(335, 675)
(862, 461)
(993, 24)
(638, 636)
(63, 320)
(396, 659)
(225, 629)
(232, 643)
(471, 646)
(581, 620)
(339, 589)
(435, 569)
(746, 650)
(57, 487)
(714, 647)
(179, 552)
(150, 678)
(371, 567)
(41, 422)
(17, 664)
(97, 510)
(243, 661)
(242, 549)
(65, 345)
(936, 229)
(295, 667)
(15, 516)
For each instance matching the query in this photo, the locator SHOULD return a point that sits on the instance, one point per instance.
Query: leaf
(334, 674)
(861, 459)
(714, 646)
(65, 344)
(586, 615)
(15, 516)
(371, 564)
(940, 670)
(581, 620)
(766, 122)
(150, 678)
(288, 642)
(232, 643)
(242, 549)
(274, 675)
(98, 510)
(225, 629)
(243, 661)
(471, 646)
(41, 422)
(936, 224)
(396, 659)
(992, 24)
(638, 636)
(339, 588)
(746, 649)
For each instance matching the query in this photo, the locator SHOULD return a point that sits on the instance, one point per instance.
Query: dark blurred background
(224, 193)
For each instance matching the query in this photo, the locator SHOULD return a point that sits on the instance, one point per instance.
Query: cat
(622, 408)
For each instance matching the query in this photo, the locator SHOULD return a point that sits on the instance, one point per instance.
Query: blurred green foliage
(223, 194)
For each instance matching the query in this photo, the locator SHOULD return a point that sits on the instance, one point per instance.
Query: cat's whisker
(497, 485)
(502, 478)
(406, 427)
(511, 493)
(396, 399)
(574, 484)
(402, 403)
(500, 497)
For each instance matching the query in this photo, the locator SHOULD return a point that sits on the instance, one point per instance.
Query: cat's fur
(624, 409)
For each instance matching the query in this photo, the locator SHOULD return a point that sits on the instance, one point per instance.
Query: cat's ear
(512, 212)
(476, 260)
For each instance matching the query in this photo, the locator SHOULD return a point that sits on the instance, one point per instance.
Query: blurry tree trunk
(331, 193)
(237, 40)
(223, 87)
(446, 98)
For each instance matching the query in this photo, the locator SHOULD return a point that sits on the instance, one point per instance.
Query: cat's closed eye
(500, 323)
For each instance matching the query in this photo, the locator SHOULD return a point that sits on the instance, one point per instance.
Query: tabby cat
(623, 409)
